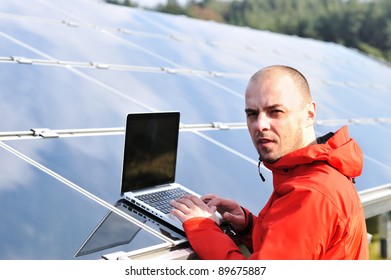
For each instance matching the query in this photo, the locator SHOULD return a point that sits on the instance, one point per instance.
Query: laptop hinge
(120, 255)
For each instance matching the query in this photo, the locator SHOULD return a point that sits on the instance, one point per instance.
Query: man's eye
(276, 112)
(251, 114)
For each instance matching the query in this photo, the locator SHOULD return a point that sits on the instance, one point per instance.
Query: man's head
(280, 112)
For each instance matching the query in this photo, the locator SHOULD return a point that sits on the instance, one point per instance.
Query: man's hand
(190, 206)
(229, 209)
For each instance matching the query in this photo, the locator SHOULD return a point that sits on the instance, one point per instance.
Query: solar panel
(71, 65)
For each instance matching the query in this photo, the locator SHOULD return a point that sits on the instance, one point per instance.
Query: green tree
(127, 3)
(172, 7)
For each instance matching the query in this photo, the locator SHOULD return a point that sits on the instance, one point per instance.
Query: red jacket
(314, 211)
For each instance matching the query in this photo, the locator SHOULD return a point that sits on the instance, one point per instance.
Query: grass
(374, 246)
(374, 249)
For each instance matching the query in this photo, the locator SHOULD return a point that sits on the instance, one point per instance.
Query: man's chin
(269, 159)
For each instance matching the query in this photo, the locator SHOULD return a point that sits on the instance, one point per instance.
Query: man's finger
(208, 197)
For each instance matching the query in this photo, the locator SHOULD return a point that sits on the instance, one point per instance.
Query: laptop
(149, 163)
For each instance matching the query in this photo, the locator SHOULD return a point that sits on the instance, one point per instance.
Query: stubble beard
(266, 155)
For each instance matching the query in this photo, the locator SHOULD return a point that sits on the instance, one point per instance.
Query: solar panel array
(71, 70)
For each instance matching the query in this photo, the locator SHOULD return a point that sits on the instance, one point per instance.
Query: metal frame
(376, 201)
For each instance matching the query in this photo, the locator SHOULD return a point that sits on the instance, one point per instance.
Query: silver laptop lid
(150, 150)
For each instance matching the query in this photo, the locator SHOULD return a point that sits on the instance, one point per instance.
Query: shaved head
(281, 70)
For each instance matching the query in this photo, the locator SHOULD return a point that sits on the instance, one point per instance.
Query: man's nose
(263, 123)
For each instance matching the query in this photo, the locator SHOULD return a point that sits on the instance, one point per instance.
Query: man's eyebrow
(249, 110)
(273, 106)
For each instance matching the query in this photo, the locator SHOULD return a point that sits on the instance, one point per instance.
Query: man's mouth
(264, 142)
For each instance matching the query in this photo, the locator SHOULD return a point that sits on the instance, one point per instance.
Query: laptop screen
(150, 152)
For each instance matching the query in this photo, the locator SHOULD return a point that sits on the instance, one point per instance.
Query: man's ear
(311, 112)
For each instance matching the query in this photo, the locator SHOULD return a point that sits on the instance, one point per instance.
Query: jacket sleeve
(210, 242)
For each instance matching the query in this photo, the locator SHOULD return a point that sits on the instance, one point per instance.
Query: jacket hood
(339, 151)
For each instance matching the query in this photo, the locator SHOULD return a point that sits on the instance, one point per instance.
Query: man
(314, 211)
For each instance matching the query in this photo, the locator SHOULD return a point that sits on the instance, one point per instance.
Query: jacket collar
(339, 151)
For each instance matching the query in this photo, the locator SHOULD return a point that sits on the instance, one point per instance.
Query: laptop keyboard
(161, 200)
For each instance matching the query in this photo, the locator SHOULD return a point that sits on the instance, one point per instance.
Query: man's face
(276, 116)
